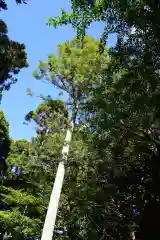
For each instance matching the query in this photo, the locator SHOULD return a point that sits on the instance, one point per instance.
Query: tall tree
(130, 129)
(74, 71)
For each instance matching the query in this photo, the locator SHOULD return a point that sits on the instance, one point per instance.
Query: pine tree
(75, 70)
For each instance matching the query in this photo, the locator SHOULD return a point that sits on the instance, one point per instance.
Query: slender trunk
(133, 235)
(49, 224)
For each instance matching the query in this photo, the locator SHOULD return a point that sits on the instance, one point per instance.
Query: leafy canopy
(12, 55)
(74, 68)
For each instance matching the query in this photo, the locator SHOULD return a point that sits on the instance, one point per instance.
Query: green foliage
(12, 55)
(17, 223)
(113, 165)
(20, 208)
(31, 167)
(4, 142)
(49, 116)
(75, 69)
(125, 116)
(130, 129)
(84, 13)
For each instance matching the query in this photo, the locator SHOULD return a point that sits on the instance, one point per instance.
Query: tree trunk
(133, 235)
(49, 224)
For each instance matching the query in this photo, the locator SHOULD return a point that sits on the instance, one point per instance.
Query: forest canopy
(111, 185)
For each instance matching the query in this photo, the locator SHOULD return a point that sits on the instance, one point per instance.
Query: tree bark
(49, 224)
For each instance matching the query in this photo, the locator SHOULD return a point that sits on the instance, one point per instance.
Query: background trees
(27, 182)
(4, 143)
(12, 55)
(111, 186)
(125, 105)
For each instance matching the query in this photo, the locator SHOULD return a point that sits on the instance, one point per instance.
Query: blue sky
(26, 24)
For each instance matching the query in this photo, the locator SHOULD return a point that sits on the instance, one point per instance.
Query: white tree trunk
(133, 235)
(49, 224)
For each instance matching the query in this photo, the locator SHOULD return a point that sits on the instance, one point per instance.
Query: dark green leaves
(12, 55)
